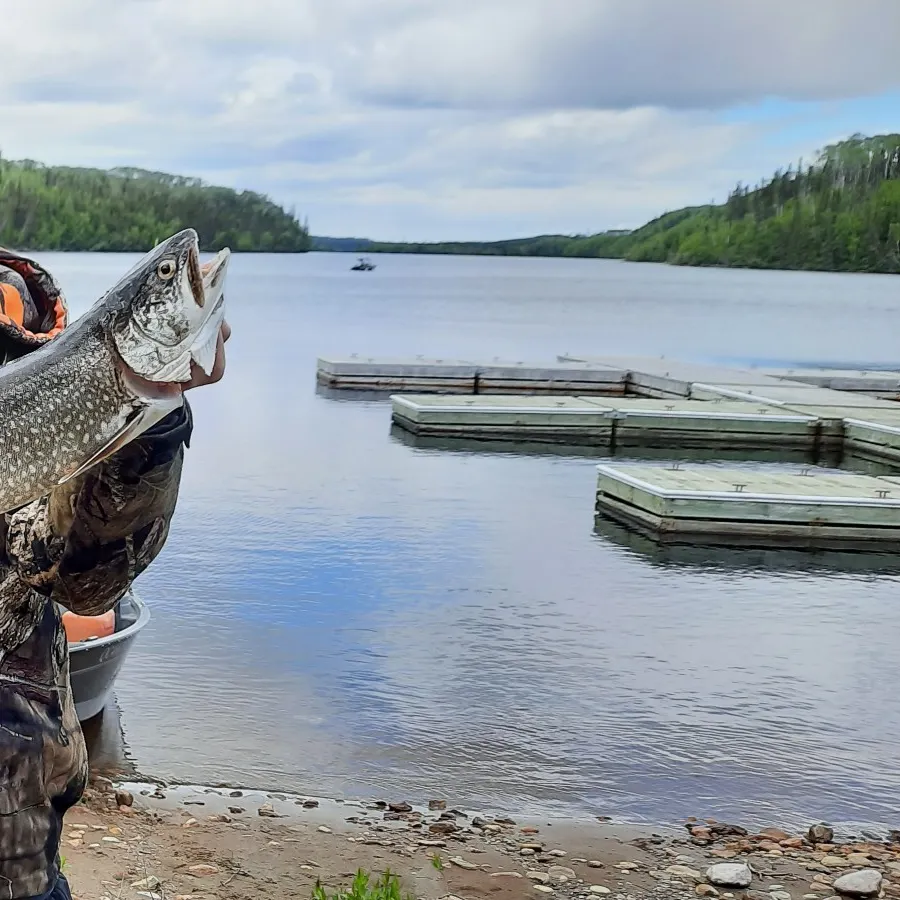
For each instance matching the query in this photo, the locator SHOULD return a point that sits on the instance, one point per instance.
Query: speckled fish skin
(113, 374)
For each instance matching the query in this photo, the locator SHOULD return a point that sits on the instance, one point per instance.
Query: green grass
(387, 887)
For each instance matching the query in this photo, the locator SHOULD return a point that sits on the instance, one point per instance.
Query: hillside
(64, 208)
(841, 213)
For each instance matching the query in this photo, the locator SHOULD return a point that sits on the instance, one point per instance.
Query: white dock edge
(724, 505)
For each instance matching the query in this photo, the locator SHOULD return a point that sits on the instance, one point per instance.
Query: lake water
(340, 613)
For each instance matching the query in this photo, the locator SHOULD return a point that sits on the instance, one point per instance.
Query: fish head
(167, 310)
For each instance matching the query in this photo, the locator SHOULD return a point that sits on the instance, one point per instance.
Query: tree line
(126, 209)
(839, 213)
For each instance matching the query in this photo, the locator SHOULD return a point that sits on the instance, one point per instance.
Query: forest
(125, 209)
(839, 213)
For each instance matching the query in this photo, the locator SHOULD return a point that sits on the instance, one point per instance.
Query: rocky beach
(160, 842)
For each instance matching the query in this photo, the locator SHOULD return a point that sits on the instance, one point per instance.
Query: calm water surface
(338, 612)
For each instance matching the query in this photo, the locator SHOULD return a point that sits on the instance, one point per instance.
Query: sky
(450, 119)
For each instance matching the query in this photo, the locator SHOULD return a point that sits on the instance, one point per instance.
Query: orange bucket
(82, 628)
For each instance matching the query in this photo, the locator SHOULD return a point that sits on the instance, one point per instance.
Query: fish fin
(133, 428)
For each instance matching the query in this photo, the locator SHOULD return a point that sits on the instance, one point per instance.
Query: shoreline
(174, 842)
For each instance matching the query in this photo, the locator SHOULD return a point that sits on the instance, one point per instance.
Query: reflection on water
(342, 612)
(747, 559)
(784, 455)
(107, 749)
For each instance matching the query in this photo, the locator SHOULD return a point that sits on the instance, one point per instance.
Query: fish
(114, 373)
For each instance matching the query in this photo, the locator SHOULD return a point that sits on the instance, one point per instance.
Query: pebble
(594, 864)
(820, 834)
(627, 866)
(775, 834)
(729, 875)
(834, 862)
(402, 807)
(323, 829)
(684, 872)
(599, 889)
(858, 859)
(539, 877)
(310, 804)
(821, 878)
(462, 863)
(561, 874)
(526, 851)
(780, 895)
(149, 895)
(203, 870)
(543, 888)
(267, 811)
(865, 883)
(124, 798)
(110, 840)
(506, 874)
(559, 854)
(150, 883)
(706, 890)
(235, 810)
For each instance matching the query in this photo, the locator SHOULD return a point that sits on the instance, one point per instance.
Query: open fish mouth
(205, 344)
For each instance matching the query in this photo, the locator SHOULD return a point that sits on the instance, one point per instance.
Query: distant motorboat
(364, 265)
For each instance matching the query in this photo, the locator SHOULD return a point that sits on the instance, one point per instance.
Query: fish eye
(166, 269)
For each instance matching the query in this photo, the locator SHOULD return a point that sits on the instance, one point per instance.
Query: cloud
(432, 118)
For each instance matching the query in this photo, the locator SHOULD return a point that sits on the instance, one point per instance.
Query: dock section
(461, 377)
(884, 384)
(552, 420)
(793, 395)
(872, 437)
(729, 506)
(612, 422)
(649, 376)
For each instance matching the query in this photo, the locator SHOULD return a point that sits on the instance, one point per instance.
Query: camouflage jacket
(80, 547)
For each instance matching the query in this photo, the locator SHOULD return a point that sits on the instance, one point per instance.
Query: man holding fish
(93, 425)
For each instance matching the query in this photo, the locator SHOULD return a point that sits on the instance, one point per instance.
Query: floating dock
(661, 377)
(552, 420)
(456, 376)
(729, 506)
(881, 383)
(792, 395)
(610, 423)
(872, 437)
